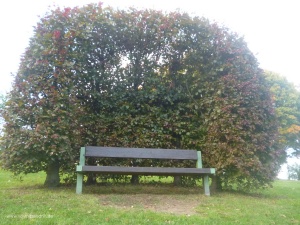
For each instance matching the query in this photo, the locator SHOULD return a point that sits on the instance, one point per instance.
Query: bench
(141, 153)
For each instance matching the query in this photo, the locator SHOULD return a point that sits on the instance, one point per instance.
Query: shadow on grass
(114, 188)
(128, 188)
(153, 187)
(157, 189)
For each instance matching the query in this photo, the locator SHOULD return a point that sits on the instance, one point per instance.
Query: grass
(28, 202)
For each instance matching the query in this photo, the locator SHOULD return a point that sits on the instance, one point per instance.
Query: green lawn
(28, 202)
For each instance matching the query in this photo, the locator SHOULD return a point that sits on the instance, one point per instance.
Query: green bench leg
(206, 185)
(79, 183)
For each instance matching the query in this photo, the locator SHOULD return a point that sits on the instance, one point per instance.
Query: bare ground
(167, 203)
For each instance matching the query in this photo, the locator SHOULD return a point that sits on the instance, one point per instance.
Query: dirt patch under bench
(175, 204)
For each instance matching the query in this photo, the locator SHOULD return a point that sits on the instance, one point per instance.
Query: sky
(270, 27)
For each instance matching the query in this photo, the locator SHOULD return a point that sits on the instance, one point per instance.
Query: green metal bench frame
(142, 153)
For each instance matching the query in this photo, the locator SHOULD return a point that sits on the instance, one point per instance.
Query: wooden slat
(146, 170)
(140, 153)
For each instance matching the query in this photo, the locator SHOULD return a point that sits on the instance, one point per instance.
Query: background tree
(2, 105)
(140, 78)
(286, 99)
(294, 171)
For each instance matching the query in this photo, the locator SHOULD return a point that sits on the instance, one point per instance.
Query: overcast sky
(270, 27)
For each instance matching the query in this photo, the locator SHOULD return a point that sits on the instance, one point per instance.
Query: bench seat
(159, 171)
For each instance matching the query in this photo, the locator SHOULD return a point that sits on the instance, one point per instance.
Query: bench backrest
(140, 153)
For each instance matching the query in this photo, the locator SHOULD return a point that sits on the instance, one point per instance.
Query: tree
(294, 171)
(2, 105)
(140, 78)
(286, 99)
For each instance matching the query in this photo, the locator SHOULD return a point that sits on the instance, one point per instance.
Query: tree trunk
(52, 179)
(91, 179)
(216, 184)
(177, 180)
(134, 179)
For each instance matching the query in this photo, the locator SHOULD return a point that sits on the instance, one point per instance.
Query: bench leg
(206, 185)
(79, 183)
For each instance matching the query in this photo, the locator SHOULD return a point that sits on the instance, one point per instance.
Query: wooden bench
(141, 153)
